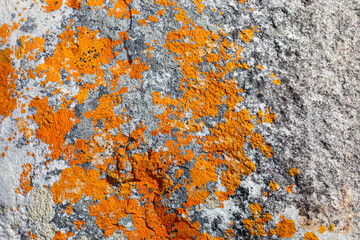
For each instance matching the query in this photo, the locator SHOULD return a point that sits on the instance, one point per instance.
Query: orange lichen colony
(25, 186)
(310, 236)
(293, 172)
(7, 73)
(82, 52)
(259, 221)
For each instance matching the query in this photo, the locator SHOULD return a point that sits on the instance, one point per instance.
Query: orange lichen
(285, 228)
(199, 5)
(249, 224)
(120, 9)
(310, 236)
(256, 209)
(95, 3)
(269, 116)
(290, 188)
(293, 172)
(22, 125)
(273, 186)
(257, 141)
(83, 54)
(33, 236)
(152, 19)
(62, 236)
(259, 221)
(82, 95)
(7, 83)
(76, 4)
(322, 229)
(246, 35)
(110, 153)
(75, 181)
(277, 81)
(29, 47)
(53, 126)
(25, 180)
(143, 22)
(5, 32)
(79, 224)
(331, 227)
(52, 5)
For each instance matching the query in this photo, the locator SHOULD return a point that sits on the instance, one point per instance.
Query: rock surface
(158, 119)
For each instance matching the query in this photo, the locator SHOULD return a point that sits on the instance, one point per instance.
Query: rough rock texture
(157, 119)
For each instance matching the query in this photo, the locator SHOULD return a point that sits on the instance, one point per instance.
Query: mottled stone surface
(204, 119)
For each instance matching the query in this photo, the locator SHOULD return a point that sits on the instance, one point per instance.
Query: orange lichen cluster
(80, 54)
(75, 181)
(23, 127)
(275, 80)
(95, 3)
(120, 164)
(290, 188)
(59, 235)
(273, 186)
(52, 5)
(25, 179)
(5, 32)
(246, 35)
(120, 9)
(53, 126)
(322, 229)
(310, 236)
(7, 83)
(7, 73)
(199, 5)
(285, 228)
(258, 222)
(293, 172)
(29, 47)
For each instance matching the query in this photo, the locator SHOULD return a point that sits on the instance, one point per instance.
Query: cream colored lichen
(41, 212)
(41, 205)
